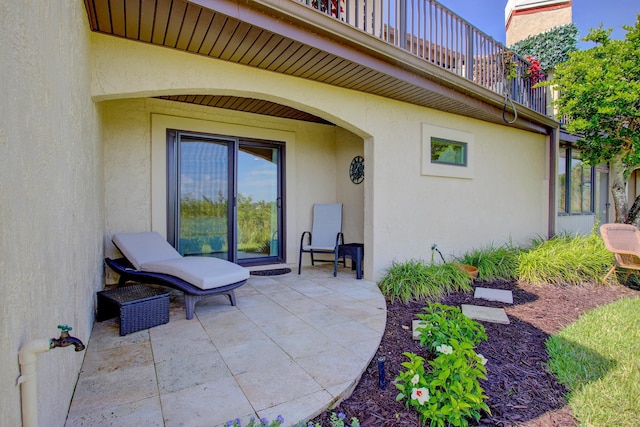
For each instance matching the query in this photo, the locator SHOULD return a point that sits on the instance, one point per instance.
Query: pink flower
(420, 394)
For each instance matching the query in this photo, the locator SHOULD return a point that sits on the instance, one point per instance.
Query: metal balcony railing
(434, 33)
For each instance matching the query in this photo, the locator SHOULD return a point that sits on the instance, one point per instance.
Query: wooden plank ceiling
(185, 26)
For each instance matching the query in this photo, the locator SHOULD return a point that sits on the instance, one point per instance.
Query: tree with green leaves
(599, 93)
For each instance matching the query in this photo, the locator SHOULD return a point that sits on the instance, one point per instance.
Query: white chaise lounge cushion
(149, 251)
(141, 248)
(203, 272)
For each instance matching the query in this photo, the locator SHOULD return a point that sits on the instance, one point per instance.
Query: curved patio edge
(293, 346)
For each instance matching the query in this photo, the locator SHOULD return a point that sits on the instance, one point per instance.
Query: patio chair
(149, 258)
(325, 236)
(623, 240)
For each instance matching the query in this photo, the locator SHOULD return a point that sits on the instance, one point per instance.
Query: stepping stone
(487, 314)
(417, 324)
(494, 295)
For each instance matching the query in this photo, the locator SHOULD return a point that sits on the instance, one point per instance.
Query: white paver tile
(186, 372)
(202, 405)
(144, 413)
(489, 294)
(302, 408)
(415, 324)
(487, 314)
(332, 367)
(276, 384)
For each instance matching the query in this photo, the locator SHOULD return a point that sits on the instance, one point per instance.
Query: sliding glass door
(258, 201)
(225, 197)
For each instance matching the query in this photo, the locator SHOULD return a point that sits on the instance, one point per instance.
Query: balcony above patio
(417, 52)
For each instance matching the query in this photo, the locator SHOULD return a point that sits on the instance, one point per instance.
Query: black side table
(138, 306)
(355, 252)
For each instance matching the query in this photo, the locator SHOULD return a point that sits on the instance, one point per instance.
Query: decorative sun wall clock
(356, 170)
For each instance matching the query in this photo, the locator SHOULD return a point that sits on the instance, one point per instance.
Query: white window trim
(444, 170)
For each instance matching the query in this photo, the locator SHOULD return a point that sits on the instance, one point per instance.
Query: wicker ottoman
(139, 307)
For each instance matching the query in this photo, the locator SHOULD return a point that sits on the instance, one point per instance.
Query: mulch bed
(520, 390)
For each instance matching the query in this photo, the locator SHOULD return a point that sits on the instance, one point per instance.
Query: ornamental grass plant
(494, 262)
(415, 280)
(565, 260)
(562, 260)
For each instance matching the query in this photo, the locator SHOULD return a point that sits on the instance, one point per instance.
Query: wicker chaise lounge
(149, 258)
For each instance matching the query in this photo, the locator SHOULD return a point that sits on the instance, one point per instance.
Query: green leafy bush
(566, 259)
(441, 324)
(449, 394)
(551, 47)
(416, 280)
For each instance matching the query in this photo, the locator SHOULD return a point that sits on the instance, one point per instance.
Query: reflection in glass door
(224, 197)
(257, 203)
(602, 194)
(202, 218)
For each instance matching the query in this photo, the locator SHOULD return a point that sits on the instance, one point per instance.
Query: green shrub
(566, 259)
(493, 262)
(416, 280)
(449, 394)
(551, 47)
(442, 324)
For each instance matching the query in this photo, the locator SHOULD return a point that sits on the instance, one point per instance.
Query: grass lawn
(598, 358)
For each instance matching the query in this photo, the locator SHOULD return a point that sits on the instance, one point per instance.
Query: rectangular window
(562, 181)
(444, 151)
(575, 183)
(581, 185)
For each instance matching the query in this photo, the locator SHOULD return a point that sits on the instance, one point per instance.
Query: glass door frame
(234, 143)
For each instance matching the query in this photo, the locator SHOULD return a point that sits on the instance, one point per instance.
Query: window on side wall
(447, 152)
(575, 183)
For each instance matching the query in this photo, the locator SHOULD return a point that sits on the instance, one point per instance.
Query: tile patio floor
(292, 346)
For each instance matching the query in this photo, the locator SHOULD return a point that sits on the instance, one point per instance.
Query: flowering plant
(510, 66)
(448, 394)
(442, 323)
(338, 420)
(323, 6)
(257, 423)
(534, 71)
(335, 420)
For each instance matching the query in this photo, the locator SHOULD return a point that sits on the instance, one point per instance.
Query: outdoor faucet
(66, 339)
(27, 357)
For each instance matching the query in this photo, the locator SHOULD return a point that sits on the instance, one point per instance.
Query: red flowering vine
(534, 71)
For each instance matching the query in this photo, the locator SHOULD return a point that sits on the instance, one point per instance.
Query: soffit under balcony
(290, 38)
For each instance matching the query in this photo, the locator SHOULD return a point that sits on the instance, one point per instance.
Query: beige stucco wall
(135, 164)
(404, 211)
(528, 24)
(51, 220)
